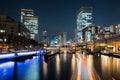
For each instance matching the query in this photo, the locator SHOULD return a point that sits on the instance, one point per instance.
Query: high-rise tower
(30, 22)
(84, 19)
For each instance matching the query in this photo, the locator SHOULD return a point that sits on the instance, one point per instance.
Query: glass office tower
(30, 22)
(84, 19)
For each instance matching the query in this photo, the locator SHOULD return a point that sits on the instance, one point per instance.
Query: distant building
(117, 28)
(60, 39)
(31, 22)
(112, 29)
(11, 27)
(26, 12)
(75, 39)
(44, 36)
(84, 19)
(108, 31)
(90, 33)
(64, 39)
(54, 41)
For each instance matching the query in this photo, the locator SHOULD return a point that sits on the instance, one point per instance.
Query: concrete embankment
(20, 55)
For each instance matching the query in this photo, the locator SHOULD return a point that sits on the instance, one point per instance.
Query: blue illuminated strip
(2, 56)
(12, 55)
(26, 53)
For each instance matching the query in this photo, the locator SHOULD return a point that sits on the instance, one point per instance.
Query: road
(62, 67)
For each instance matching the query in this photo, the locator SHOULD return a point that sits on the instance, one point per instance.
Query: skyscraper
(64, 38)
(84, 19)
(31, 22)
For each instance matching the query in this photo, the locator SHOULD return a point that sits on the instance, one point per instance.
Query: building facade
(9, 26)
(84, 19)
(90, 33)
(62, 38)
(31, 22)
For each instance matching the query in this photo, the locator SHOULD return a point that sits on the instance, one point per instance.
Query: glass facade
(30, 21)
(26, 12)
(84, 19)
(88, 36)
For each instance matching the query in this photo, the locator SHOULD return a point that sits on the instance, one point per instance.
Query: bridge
(110, 44)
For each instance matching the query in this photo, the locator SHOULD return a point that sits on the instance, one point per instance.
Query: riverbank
(20, 55)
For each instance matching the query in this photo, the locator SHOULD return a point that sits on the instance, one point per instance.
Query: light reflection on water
(116, 67)
(73, 67)
(78, 62)
(108, 67)
(5, 69)
(63, 66)
(64, 57)
(34, 69)
(73, 63)
(90, 67)
(45, 70)
(103, 67)
(57, 66)
(20, 70)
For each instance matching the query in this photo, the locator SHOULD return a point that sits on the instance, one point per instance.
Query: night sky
(60, 15)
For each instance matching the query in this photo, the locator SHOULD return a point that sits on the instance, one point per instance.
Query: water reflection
(90, 61)
(73, 67)
(116, 66)
(63, 67)
(6, 71)
(57, 66)
(78, 70)
(44, 70)
(28, 70)
(107, 67)
(73, 63)
(64, 57)
(15, 71)
(90, 67)
(34, 69)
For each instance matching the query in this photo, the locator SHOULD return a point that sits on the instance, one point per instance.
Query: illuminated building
(31, 22)
(61, 38)
(54, 41)
(64, 38)
(10, 27)
(44, 36)
(117, 28)
(26, 12)
(84, 19)
(90, 33)
(76, 35)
